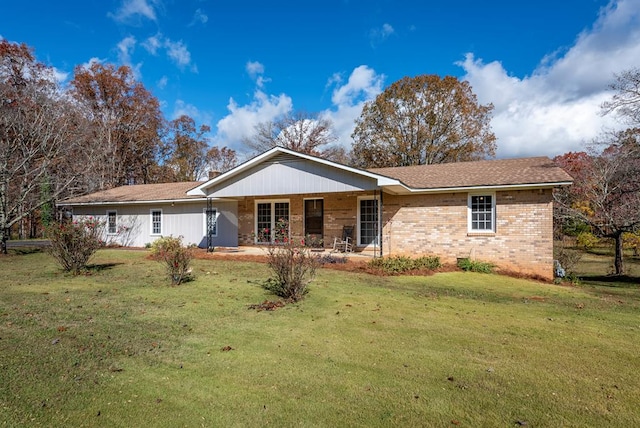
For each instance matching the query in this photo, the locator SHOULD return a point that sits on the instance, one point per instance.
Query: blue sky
(544, 64)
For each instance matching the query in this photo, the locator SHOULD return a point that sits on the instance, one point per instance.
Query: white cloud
(363, 85)
(162, 83)
(177, 51)
(199, 17)
(132, 10)
(152, 44)
(557, 108)
(182, 108)
(379, 35)
(126, 47)
(179, 54)
(256, 72)
(241, 120)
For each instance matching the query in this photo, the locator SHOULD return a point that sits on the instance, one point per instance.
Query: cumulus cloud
(241, 121)
(557, 108)
(131, 11)
(363, 85)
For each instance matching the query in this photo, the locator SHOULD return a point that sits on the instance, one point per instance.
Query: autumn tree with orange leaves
(126, 126)
(423, 120)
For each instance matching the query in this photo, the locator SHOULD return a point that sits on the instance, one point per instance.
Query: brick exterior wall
(436, 224)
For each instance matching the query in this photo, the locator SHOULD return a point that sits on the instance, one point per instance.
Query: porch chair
(345, 243)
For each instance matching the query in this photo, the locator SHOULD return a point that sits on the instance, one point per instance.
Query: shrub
(73, 243)
(399, 264)
(293, 268)
(567, 256)
(469, 265)
(175, 256)
(587, 240)
(632, 241)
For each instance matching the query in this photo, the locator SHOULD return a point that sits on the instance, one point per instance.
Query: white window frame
(115, 213)
(204, 221)
(358, 226)
(151, 211)
(273, 203)
(470, 228)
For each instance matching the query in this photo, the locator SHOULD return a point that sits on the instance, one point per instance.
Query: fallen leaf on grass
(226, 348)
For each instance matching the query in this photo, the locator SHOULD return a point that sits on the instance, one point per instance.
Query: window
(112, 222)
(156, 222)
(367, 221)
(214, 222)
(272, 221)
(481, 213)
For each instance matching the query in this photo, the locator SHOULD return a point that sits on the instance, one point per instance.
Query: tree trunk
(618, 262)
(4, 236)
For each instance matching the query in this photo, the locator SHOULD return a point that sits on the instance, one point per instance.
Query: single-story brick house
(498, 211)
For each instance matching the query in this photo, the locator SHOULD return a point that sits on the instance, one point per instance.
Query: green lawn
(119, 347)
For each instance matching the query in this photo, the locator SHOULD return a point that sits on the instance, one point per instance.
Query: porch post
(210, 224)
(380, 222)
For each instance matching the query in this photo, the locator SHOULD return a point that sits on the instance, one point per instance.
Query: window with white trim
(156, 222)
(112, 222)
(482, 213)
(215, 214)
(368, 223)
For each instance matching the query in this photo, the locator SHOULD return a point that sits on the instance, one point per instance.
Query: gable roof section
(138, 193)
(307, 174)
(522, 172)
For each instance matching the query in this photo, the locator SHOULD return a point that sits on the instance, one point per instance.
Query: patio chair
(345, 243)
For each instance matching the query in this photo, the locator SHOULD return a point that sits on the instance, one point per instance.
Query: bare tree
(301, 132)
(626, 101)
(40, 129)
(606, 191)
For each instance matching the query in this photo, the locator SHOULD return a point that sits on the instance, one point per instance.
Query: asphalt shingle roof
(533, 170)
(139, 193)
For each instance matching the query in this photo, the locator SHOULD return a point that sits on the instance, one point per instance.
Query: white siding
(289, 177)
(181, 219)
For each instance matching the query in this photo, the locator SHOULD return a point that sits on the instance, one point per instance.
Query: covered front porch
(318, 219)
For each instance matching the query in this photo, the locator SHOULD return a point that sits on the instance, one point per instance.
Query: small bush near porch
(119, 348)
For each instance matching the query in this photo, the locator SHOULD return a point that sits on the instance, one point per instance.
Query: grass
(118, 347)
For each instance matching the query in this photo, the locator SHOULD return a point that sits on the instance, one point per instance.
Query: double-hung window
(482, 213)
(112, 222)
(156, 222)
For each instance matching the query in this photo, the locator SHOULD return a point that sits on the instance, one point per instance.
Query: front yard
(118, 347)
